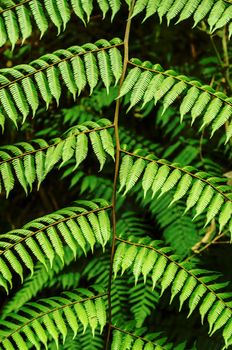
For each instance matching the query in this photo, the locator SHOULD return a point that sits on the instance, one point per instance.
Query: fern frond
(53, 316)
(43, 238)
(28, 163)
(201, 100)
(143, 300)
(43, 276)
(16, 21)
(192, 284)
(125, 340)
(42, 77)
(217, 12)
(204, 191)
(82, 341)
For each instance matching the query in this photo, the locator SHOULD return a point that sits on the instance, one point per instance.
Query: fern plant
(115, 175)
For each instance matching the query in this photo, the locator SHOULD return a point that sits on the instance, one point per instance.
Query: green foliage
(125, 147)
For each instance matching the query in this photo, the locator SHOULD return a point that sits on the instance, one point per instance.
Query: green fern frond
(204, 191)
(125, 340)
(46, 237)
(201, 100)
(42, 77)
(53, 317)
(29, 163)
(82, 341)
(192, 284)
(217, 12)
(33, 284)
(16, 21)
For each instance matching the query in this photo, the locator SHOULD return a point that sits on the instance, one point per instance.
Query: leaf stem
(117, 160)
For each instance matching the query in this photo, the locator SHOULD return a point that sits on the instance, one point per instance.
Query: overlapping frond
(41, 278)
(124, 340)
(22, 86)
(202, 191)
(82, 341)
(16, 18)
(31, 162)
(147, 82)
(217, 13)
(36, 322)
(197, 286)
(84, 224)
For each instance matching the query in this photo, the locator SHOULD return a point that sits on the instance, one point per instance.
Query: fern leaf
(188, 10)
(159, 179)
(64, 11)
(38, 14)
(225, 214)
(125, 169)
(152, 88)
(8, 106)
(204, 7)
(91, 70)
(78, 9)
(139, 7)
(67, 76)
(204, 200)
(193, 285)
(164, 88)
(7, 177)
(24, 22)
(211, 112)
(216, 13)
(3, 34)
(87, 7)
(140, 88)
(152, 7)
(221, 119)
(135, 172)
(98, 148)
(115, 6)
(19, 170)
(188, 101)
(194, 194)
(54, 84)
(31, 94)
(104, 6)
(164, 8)
(107, 142)
(130, 81)
(224, 19)
(173, 94)
(148, 177)
(175, 9)
(43, 86)
(171, 181)
(53, 13)
(116, 63)
(200, 105)
(20, 100)
(79, 73)
(214, 207)
(11, 27)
